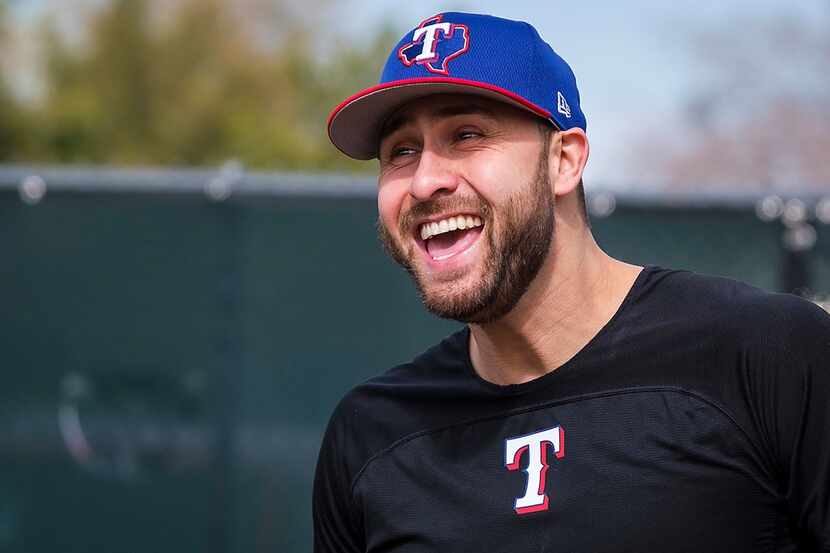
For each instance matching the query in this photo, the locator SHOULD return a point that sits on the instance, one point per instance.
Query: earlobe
(573, 155)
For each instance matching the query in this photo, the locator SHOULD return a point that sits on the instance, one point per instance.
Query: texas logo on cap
(435, 43)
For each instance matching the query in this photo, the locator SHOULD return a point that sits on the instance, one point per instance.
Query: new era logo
(562, 105)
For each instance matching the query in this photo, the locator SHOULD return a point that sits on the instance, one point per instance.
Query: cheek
(498, 177)
(389, 205)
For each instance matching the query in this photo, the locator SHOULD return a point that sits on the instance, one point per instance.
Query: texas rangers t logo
(434, 44)
(536, 445)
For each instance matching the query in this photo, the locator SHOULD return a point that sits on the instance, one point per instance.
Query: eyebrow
(396, 122)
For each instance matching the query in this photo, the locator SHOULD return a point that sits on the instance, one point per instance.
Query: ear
(572, 146)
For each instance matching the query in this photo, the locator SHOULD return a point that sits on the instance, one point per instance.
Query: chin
(463, 299)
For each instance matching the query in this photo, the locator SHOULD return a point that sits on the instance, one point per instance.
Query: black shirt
(697, 419)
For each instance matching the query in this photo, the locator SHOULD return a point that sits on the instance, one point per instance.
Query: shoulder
(402, 401)
(728, 310)
(707, 292)
(729, 301)
(425, 375)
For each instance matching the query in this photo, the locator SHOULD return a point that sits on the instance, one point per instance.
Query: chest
(650, 470)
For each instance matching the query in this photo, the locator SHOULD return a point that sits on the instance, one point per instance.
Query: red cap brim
(354, 126)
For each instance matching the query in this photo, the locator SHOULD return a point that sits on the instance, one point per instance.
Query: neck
(577, 291)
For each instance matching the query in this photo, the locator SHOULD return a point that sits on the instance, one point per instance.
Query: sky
(634, 61)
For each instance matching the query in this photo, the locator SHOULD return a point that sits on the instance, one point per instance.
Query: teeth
(428, 230)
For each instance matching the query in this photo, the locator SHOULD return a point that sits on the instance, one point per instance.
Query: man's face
(465, 203)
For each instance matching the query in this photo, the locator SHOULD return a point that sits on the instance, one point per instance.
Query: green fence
(174, 341)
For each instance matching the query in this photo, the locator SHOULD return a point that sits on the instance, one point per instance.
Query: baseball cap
(455, 52)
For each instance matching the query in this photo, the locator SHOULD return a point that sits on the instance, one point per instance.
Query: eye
(467, 134)
(398, 154)
(401, 151)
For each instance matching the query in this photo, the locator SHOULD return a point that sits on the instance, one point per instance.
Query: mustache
(447, 204)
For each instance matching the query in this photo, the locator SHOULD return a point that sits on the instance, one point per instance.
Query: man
(589, 405)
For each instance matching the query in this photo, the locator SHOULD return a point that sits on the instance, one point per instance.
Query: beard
(515, 255)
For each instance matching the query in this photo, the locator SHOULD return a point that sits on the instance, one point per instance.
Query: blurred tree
(761, 117)
(13, 124)
(196, 82)
(12, 115)
(96, 107)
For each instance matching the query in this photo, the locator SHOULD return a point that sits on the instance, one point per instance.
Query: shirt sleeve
(337, 521)
(792, 400)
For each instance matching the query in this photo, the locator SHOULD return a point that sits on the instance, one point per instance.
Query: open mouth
(448, 237)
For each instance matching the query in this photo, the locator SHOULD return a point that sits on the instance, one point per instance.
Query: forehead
(441, 106)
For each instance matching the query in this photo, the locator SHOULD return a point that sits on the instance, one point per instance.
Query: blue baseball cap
(454, 52)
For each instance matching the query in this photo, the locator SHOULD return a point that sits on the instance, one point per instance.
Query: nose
(433, 175)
